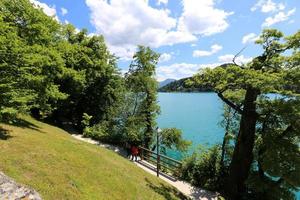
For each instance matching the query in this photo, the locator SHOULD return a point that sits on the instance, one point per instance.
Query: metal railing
(163, 163)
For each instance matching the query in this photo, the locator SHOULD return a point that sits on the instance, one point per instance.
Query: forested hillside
(166, 82)
(181, 85)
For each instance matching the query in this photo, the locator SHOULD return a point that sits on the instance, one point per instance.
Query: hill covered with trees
(165, 82)
(182, 85)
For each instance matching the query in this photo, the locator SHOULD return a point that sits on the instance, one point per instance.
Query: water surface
(197, 114)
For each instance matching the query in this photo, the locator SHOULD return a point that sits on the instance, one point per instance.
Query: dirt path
(184, 187)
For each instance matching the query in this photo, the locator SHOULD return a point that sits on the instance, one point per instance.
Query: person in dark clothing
(134, 152)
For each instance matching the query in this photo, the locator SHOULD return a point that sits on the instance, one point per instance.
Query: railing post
(158, 165)
(157, 152)
(142, 154)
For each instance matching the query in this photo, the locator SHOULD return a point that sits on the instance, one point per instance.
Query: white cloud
(165, 57)
(279, 17)
(64, 11)
(124, 53)
(239, 60)
(202, 18)
(249, 38)
(268, 6)
(183, 70)
(127, 23)
(180, 70)
(165, 2)
(193, 45)
(48, 10)
(214, 49)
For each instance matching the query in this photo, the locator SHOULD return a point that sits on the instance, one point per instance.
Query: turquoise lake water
(198, 115)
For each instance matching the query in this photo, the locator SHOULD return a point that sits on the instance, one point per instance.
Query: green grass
(59, 167)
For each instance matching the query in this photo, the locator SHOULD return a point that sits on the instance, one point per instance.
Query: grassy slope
(60, 167)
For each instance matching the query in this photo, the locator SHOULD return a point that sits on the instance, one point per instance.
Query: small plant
(86, 125)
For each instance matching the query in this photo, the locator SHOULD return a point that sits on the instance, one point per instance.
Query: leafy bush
(96, 132)
(204, 169)
(171, 138)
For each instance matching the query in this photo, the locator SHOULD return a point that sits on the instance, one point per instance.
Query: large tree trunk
(243, 155)
(149, 126)
(223, 149)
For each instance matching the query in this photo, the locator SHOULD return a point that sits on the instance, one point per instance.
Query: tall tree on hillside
(29, 60)
(48, 68)
(141, 82)
(91, 78)
(14, 96)
(267, 73)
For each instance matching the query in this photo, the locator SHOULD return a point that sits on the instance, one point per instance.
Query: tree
(171, 138)
(49, 69)
(90, 78)
(141, 83)
(29, 61)
(14, 97)
(265, 74)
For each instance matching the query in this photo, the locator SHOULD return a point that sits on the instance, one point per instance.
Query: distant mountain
(181, 86)
(166, 82)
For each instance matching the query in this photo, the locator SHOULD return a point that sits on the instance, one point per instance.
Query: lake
(198, 115)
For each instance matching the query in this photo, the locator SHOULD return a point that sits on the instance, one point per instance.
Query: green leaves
(232, 77)
(203, 169)
(276, 119)
(172, 139)
(49, 67)
(140, 82)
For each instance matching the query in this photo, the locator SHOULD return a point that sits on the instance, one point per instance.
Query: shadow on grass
(167, 192)
(23, 124)
(4, 134)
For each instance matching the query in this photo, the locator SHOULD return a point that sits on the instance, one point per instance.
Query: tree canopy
(266, 146)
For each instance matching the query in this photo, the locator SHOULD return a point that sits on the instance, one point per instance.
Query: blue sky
(189, 34)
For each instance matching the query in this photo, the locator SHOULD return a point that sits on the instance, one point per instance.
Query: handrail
(166, 162)
(168, 158)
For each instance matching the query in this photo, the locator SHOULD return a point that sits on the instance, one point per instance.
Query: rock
(10, 190)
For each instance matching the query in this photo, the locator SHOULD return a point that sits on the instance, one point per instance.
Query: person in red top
(134, 152)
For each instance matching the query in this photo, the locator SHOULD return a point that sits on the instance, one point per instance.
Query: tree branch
(236, 55)
(229, 103)
(286, 131)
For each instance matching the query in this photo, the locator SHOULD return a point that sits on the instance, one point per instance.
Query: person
(128, 149)
(134, 152)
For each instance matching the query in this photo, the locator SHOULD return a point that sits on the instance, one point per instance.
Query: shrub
(204, 169)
